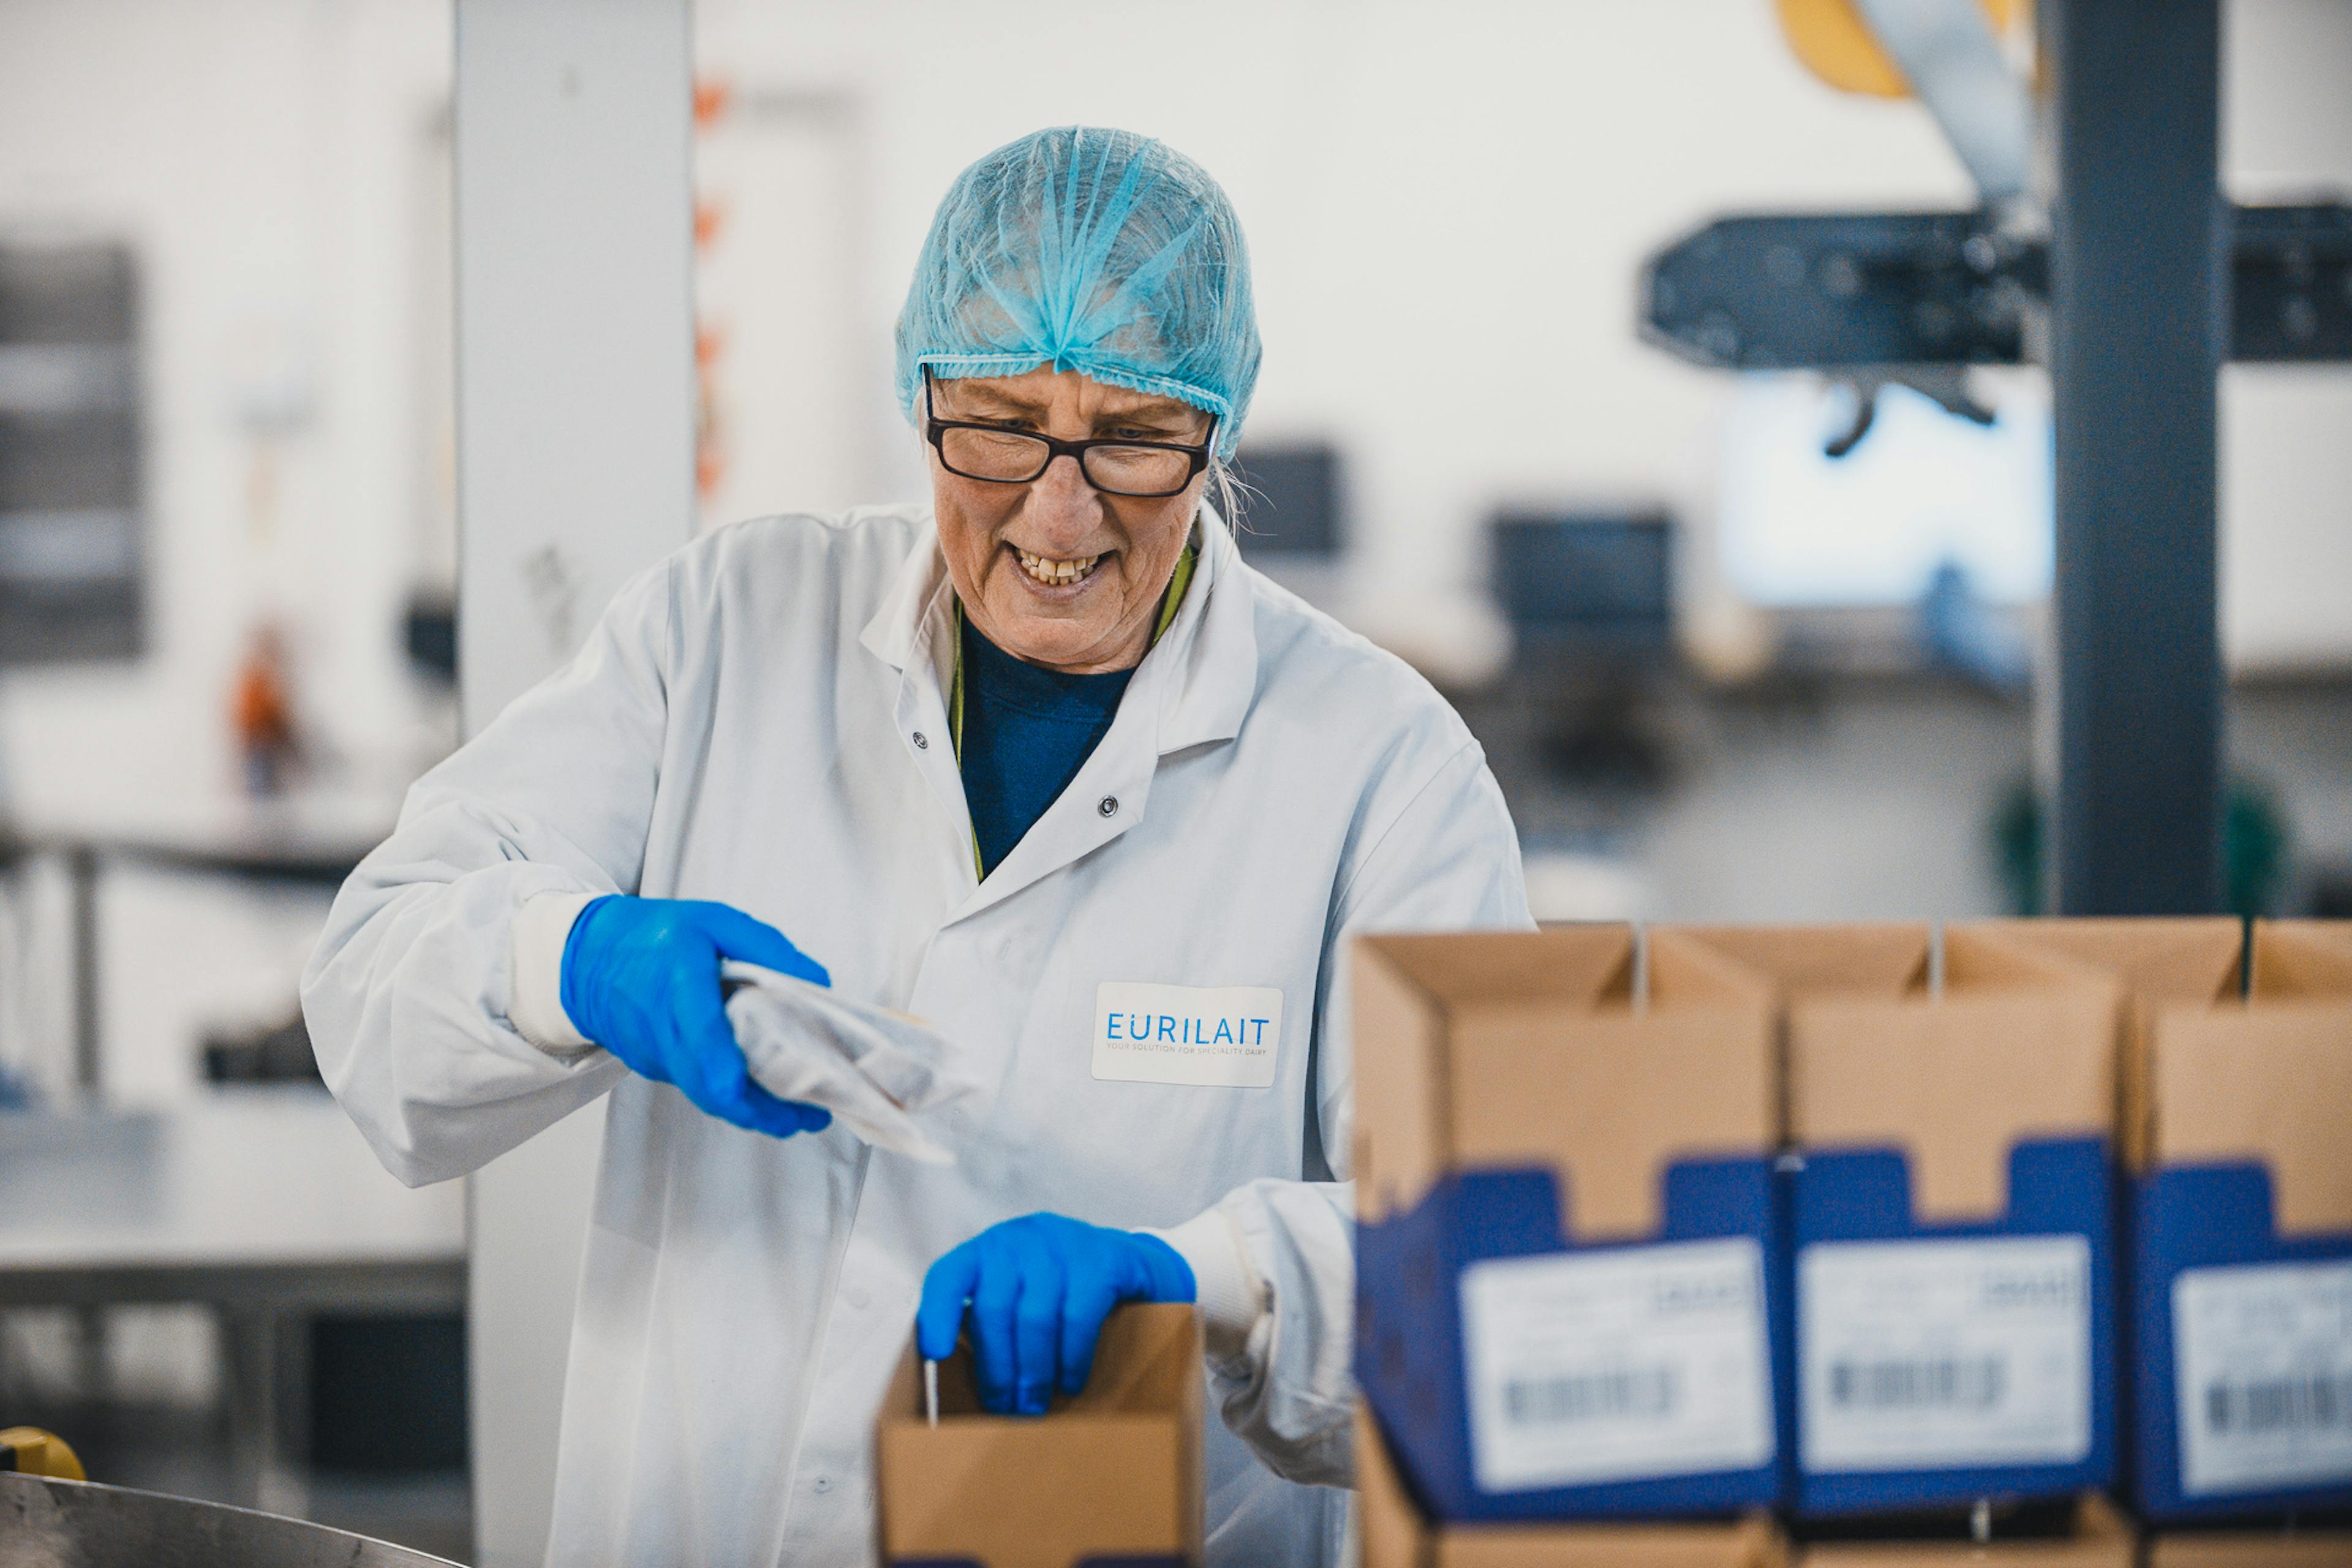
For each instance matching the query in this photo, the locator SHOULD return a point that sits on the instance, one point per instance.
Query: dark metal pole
(2139, 314)
(82, 883)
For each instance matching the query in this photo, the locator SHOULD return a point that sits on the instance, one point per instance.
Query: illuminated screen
(1799, 529)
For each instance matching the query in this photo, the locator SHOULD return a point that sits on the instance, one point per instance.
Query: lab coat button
(823, 1483)
(857, 1300)
(1109, 807)
(923, 741)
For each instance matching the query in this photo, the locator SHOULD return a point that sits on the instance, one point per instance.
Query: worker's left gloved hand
(1039, 1289)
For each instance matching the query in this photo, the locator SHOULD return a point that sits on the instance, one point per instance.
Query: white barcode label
(1609, 1366)
(1944, 1354)
(2262, 1376)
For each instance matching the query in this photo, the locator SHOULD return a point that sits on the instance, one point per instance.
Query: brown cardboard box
(2252, 1549)
(2017, 1045)
(1395, 1535)
(1527, 1049)
(2271, 1081)
(2303, 958)
(2010, 1048)
(2208, 1078)
(1889, 962)
(1115, 1471)
(2213, 1081)
(1869, 959)
(1487, 1063)
(2263, 1080)
(2160, 962)
(2100, 1538)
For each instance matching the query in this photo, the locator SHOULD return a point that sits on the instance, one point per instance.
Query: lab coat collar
(1212, 644)
(889, 635)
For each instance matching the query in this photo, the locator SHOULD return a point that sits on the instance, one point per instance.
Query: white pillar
(576, 467)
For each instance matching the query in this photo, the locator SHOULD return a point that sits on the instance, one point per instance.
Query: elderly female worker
(1045, 763)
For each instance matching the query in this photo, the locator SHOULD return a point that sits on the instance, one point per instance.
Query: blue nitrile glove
(641, 979)
(1040, 1288)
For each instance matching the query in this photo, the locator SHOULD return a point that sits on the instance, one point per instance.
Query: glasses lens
(992, 454)
(1138, 470)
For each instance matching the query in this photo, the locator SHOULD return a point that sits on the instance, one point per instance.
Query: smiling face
(1055, 571)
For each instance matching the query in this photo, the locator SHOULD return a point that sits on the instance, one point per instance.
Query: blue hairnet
(1098, 251)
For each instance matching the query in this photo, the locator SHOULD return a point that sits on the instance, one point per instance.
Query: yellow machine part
(1837, 46)
(30, 1451)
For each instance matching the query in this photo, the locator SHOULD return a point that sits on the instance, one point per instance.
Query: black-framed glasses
(999, 456)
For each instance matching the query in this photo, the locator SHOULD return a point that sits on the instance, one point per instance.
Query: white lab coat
(759, 719)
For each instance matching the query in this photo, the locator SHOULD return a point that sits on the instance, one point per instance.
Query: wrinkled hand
(1039, 1289)
(641, 979)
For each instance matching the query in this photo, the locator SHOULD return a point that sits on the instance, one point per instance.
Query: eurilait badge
(1216, 1037)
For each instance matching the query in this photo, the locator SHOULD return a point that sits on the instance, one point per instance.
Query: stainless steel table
(306, 837)
(261, 1203)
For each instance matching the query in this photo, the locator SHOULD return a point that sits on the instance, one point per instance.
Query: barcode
(1947, 1382)
(2306, 1403)
(1645, 1392)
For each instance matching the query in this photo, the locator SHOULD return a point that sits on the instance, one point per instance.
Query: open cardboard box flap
(2209, 1077)
(2019, 1044)
(1115, 1470)
(1855, 961)
(2160, 962)
(1516, 1049)
(2303, 958)
(2268, 1081)
(1397, 1535)
(2157, 959)
(1870, 959)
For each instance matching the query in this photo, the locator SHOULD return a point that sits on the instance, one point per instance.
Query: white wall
(2286, 432)
(1446, 206)
(261, 155)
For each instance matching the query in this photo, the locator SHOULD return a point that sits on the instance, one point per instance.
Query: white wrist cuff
(541, 929)
(1225, 1286)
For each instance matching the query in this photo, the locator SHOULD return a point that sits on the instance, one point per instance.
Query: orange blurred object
(709, 419)
(1836, 45)
(711, 100)
(709, 216)
(262, 713)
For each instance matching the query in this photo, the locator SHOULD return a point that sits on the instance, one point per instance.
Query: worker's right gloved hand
(641, 979)
(1037, 1290)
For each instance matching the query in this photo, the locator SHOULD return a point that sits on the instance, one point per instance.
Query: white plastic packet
(876, 1071)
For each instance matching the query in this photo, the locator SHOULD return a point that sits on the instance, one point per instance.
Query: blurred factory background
(1721, 674)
